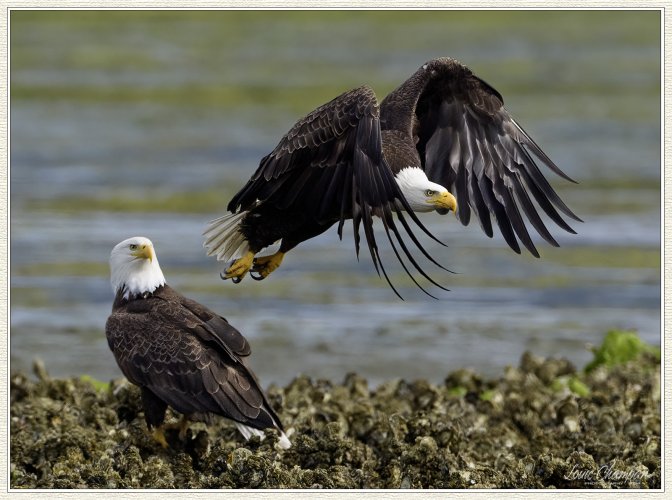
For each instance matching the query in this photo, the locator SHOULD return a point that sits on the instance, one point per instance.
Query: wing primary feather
(396, 252)
(461, 191)
(390, 282)
(388, 221)
(364, 185)
(496, 208)
(498, 200)
(506, 229)
(502, 184)
(516, 220)
(539, 153)
(356, 222)
(417, 243)
(479, 206)
(532, 214)
(473, 162)
(546, 187)
(387, 278)
(544, 203)
(370, 237)
(348, 189)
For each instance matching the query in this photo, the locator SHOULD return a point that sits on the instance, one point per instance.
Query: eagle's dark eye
(133, 246)
(429, 192)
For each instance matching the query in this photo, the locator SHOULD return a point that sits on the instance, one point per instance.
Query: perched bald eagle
(441, 141)
(179, 352)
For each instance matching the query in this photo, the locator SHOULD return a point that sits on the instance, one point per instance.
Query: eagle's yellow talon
(182, 426)
(159, 437)
(240, 267)
(266, 265)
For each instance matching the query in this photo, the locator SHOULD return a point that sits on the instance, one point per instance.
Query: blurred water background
(146, 123)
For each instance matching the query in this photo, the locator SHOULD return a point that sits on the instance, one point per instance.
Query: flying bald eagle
(179, 352)
(441, 141)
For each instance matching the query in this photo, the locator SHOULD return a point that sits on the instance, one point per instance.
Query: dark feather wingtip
(531, 247)
(443, 245)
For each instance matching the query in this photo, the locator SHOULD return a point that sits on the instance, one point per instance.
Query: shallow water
(127, 123)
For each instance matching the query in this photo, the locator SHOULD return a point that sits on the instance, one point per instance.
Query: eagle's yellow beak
(144, 252)
(444, 202)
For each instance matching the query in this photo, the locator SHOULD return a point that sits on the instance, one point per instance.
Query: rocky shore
(543, 424)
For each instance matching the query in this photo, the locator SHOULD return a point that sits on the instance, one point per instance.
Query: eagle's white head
(134, 267)
(422, 194)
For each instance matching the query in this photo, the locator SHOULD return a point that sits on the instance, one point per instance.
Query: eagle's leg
(303, 231)
(182, 426)
(239, 268)
(159, 432)
(266, 265)
(160, 437)
(155, 413)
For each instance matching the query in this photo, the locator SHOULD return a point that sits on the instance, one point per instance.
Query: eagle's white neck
(132, 274)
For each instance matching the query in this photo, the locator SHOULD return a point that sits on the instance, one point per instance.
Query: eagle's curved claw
(234, 279)
(256, 277)
(238, 268)
(264, 266)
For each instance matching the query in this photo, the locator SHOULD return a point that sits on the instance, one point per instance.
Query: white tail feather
(224, 240)
(284, 442)
(219, 225)
(248, 432)
(223, 237)
(217, 230)
(233, 247)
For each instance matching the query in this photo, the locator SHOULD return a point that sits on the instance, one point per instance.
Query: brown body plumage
(180, 353)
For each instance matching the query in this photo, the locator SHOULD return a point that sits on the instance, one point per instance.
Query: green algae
(578, 387)
(96, 384)
(525, 429)
(619, 347)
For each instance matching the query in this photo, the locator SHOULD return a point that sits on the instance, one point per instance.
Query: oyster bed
(543, 424)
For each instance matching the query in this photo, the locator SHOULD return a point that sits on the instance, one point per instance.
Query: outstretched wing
(330, 165)
(189, 363)
(469, 143)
